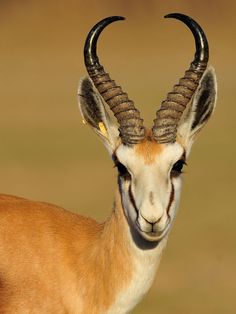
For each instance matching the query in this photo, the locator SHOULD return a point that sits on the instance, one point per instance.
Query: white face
(150, 183)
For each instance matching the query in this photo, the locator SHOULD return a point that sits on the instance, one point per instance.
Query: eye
(177, 168)
(123, 172)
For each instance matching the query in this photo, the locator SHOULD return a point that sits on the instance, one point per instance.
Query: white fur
(146, 264)
(153, 178)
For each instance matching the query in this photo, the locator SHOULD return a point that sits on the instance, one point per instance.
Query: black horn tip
(175, 15)
(90, 46)
(202, 49)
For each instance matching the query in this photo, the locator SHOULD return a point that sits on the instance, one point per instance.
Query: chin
(153, 236)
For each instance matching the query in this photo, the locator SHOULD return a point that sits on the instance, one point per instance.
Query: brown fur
(148, 150)
(54, 261)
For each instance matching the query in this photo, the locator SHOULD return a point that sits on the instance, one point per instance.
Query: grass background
(47, 154)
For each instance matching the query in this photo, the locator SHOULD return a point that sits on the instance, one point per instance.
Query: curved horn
(171, 110)
(130, 124)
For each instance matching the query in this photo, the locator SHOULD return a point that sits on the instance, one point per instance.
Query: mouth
(152, 235)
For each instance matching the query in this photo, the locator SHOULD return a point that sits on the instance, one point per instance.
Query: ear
(95, 115)
(200, 110)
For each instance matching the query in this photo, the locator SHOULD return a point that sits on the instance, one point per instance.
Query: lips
(152, 235)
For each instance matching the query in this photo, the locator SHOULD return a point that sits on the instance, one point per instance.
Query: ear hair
(205, 99)
(90, 104)
(200, 109)
(94, 113)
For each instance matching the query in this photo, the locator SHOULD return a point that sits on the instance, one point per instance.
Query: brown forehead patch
(148, 150)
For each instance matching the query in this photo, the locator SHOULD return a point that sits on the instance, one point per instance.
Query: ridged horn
(130, 123)
(171, 110)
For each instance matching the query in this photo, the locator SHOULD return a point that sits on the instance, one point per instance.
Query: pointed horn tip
(121, 17)
(174, 15)
(190, 22)
(116, 18)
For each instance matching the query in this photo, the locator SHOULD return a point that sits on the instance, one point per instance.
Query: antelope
(56, 261)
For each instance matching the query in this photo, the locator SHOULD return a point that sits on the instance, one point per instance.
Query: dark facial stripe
(172, 196)
(184, 156)
(132, 199)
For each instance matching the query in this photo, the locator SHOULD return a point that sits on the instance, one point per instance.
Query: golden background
(47, 154)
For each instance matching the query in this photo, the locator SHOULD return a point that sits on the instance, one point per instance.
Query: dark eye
(177, 167)
(123, 172)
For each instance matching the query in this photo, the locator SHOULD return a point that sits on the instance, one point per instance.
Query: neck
(120, 271)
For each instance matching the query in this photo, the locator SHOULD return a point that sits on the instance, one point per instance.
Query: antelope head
(149, 161)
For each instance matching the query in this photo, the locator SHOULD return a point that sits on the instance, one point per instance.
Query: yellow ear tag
(84, 122)
(102, 128)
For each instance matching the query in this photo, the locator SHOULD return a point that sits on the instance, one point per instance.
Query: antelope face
(149, 162)
(150, 182)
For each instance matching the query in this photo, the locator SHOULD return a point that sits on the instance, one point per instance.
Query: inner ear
(95, 114)
(204, 101)
(91, 106)
(200, 109)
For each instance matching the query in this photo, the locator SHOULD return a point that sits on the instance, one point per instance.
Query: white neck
(130, 266)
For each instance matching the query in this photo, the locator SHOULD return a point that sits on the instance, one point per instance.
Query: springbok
(54, 261)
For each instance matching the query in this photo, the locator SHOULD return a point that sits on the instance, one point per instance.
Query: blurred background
(46, 153)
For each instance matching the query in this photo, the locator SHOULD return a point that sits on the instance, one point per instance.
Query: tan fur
(54, 261)
(148, 150)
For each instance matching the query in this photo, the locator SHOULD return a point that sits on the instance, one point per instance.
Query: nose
(151, 220)
(151, 224)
